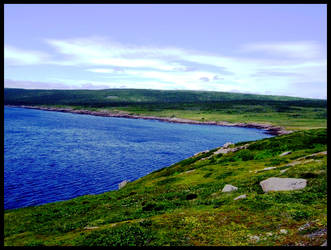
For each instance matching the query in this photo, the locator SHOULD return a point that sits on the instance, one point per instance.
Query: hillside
(128, 96)
(183, 204)
(289, 112)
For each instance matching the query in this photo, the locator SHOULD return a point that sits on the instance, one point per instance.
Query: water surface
(52, 156)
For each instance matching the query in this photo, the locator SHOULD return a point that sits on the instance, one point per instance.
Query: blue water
(53, 156)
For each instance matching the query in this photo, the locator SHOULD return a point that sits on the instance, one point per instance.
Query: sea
(54, 156)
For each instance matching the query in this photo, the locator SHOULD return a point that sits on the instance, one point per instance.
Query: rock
(90, 228)
(269, 168)
(265, 169)
(282, 184)
(221, 151)
(254, 238)
(227, 144)
(304, 227)
(189, 171)
(318, 233)
(284, 170)
(283, 231)
(202, 152)
(325, 244)
(122, 184)
(229, 188)
(243, 196)
(285, 153)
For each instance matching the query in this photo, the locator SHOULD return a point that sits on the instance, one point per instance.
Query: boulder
(229, 188)
(285, 153)
(284, 170)
(227, 144)
(254, 238)
(243, 196)
(269, 168)
(282, 184)
(122, 184)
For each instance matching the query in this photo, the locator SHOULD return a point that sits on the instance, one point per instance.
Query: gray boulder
(282, 184)
(285, 153)
(243, 196)
(122, 184)
(229, 188)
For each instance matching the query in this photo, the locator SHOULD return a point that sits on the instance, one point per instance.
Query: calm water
(53, 156)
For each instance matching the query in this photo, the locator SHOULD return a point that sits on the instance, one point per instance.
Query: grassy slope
(289, 112)
(176, 206)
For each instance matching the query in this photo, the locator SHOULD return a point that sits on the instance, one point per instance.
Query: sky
(273, 49)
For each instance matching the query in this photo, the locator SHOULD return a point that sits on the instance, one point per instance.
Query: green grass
(174, 207)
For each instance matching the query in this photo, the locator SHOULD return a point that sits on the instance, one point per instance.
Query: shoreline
(269, 129)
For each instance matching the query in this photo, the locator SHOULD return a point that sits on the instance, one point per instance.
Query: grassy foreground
(183, 204)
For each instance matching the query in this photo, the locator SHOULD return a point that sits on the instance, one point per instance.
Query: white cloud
(296, 49)
(97, 51)
(99, 70)
(15, 56)
(8, 83)
(287, 63)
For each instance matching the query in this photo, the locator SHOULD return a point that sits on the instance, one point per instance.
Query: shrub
(245, 155)
(191, 196)
(123, 235)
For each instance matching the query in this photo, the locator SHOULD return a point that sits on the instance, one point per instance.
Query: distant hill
(116, 97)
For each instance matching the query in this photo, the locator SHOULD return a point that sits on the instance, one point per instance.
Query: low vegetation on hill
(184, 205)
(291, 113)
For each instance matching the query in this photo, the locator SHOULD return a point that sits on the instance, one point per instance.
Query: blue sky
(265, 49)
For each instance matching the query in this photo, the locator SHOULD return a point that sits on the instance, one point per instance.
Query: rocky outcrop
(227, 144)
(282, 184)
(225, 150)
(122, 184)
(229, 188)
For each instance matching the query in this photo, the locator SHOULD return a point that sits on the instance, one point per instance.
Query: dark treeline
(156, 99)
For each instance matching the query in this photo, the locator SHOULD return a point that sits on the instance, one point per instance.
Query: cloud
(35, 85)
(215, 78)
(16, 56)
(296, 49)
(205, 79)
(99, 70)
(256, 68)
(100, 51)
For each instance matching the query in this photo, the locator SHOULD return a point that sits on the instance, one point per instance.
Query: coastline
(269, 129)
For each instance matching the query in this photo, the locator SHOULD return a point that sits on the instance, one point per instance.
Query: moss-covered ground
(183, 205)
